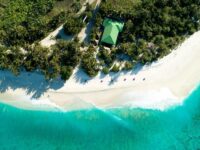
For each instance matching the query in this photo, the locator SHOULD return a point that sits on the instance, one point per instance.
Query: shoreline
(160, 85)
(162, 103)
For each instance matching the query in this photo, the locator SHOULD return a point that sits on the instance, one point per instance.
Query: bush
(105, 70)
(128, 66)
(76, 6)
(115, 68)
(89, 62)
(73, 26)
(56, 20)
(66, 72)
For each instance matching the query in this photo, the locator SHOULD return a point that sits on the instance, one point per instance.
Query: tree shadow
(138, 67)
(88, 29)
(114, 77)
(34, 84)
(81, 77)
(62, 36)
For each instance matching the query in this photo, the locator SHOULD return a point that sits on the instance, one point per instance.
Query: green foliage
(59, 60)
(152, 27)
(89, 62)
(73, 25)
(65, 57)
(11, 59)
(88, 13)
(57, 20)
(106, 56)
(128, 66)
(33, 59)
(76, 6)
(105, 70)
(70, 53)
(115, 68)
(23, 21)
(27, 21)
(66, 72)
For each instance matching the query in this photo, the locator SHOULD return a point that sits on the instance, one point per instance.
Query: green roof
(111, 31)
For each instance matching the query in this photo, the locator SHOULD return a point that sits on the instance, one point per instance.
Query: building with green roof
(111, 31)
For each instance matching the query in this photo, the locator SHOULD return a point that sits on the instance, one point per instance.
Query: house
(111, 31)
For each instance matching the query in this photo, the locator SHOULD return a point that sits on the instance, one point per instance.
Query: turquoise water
(177, 128)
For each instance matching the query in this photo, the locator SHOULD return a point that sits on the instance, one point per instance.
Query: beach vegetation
(128, 66)
(152, 29)
(73, 25)
(115, 68)
(105, 70)
(25, 21)
(89, 62)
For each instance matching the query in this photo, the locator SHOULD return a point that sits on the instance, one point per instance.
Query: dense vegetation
(74, 23)
(23, 23)
(62, 58)
(152, 29)
(27, 21)
(89, 62)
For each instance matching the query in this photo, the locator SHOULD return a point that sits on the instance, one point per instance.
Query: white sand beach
(156, 86)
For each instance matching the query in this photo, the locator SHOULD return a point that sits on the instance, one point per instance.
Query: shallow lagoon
(117, 129)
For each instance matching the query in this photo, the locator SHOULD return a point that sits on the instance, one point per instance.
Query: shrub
(128, 66)
(73, 26)
(105, 70)
(115, 68)
(66, 72)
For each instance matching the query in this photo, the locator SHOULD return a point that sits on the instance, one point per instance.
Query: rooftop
(111, 31)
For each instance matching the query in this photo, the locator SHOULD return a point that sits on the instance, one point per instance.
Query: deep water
(177, 128)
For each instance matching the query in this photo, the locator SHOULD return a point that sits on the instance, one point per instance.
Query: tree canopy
(152, 29)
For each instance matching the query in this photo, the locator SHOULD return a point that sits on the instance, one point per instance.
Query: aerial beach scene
(100, 74)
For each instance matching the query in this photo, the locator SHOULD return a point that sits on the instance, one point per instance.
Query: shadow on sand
(62, 36)
(81, 77)
(33, 83)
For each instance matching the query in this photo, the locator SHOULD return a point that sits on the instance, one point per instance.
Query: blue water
(177, 128)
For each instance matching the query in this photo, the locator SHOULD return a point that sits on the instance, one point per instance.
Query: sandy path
(51, 38)
(83, 35)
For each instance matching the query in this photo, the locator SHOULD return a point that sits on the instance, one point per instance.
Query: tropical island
(97, 45)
